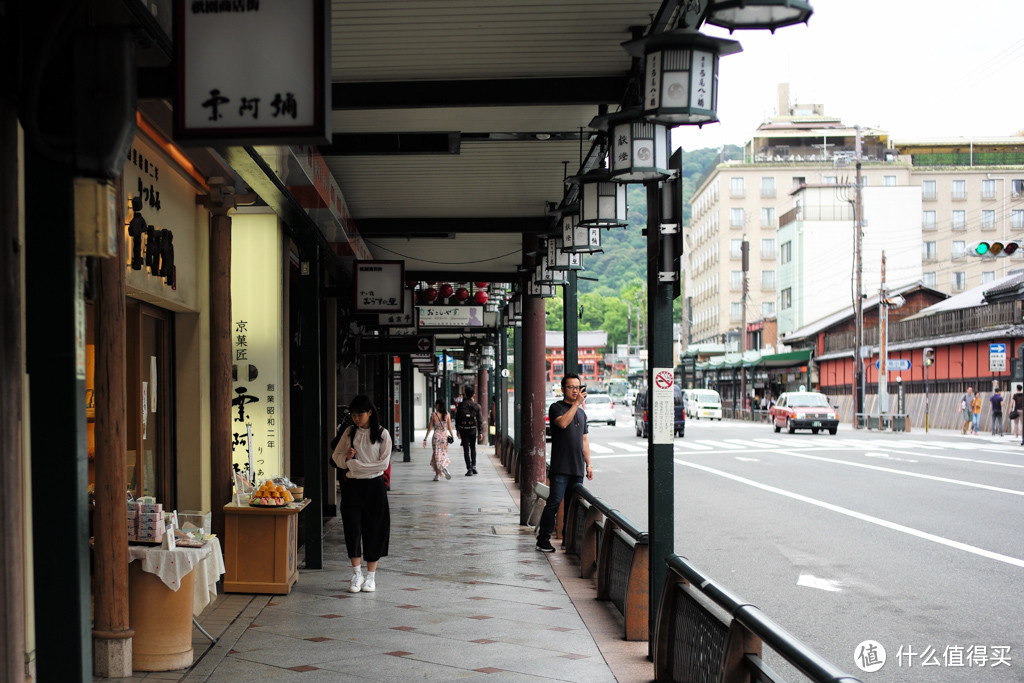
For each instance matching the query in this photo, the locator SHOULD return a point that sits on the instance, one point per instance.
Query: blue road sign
(894, 364)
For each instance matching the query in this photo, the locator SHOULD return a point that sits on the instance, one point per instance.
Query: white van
(703, 403)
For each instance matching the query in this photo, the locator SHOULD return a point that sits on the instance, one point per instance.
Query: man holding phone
(570, 453)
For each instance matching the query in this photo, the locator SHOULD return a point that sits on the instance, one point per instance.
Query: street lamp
(639, 147)
(755, 14)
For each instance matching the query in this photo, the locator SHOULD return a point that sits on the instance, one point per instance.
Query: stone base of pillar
(112, 657)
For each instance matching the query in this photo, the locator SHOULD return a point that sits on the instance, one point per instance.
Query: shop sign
(451, 316)
(380, 286)
(252, 72)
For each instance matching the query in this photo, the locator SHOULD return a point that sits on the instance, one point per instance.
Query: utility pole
(858, 301)
(883, 351)
(745, 260)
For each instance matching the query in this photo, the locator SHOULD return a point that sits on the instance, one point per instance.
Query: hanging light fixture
(639, 148)
(602, 200)
(680, 85)
(560, 259)
(758, 14)
(579, 239)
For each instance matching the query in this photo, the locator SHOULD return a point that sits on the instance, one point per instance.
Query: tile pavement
(463, 594)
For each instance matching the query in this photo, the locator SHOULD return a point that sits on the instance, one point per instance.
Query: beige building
(970, 191)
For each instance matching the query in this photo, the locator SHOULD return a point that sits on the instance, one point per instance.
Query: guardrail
(693, 642)
(617, 552)
(702, 631)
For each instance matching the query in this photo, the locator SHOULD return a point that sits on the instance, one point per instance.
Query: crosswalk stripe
(597, 448)
(690, 445)
(633, 447)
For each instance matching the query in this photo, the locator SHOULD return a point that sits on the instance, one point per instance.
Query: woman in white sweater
(364, 452)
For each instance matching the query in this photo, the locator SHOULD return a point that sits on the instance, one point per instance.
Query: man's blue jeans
(560, 483)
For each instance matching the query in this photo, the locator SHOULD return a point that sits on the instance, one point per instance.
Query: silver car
(600, 408)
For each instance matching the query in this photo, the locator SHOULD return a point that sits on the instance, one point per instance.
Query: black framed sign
(380, 286)
(252, 72)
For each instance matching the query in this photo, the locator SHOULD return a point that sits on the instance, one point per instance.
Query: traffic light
(1008, 248)
(929, 356)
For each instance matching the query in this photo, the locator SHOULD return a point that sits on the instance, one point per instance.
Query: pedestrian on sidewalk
(570, 453)
(365, 513)
(440, 423)
(470, 424)
(976, 413)
(1016, 407)
(996, 399)
(965, 409)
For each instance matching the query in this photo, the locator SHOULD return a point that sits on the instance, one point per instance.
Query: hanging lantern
(446, 290)
(480, 297)
(480, 285)
(579, 239)
(428, 296)
(461, 294)
(639, 148)
(602, 200)
(546, 276)
(681, 75)
(755, 14)
(559, 259)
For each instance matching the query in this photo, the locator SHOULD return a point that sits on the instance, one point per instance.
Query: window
(767, 309)
(988, 219)
(735, 312)
(736, 280)
(988, 189)
(785, 252)
(959, 249)
(768, 279)
(988, 276)
(735, 218)
(799, 180)
(1017, 219)
(959, 219)
(736, 249)
(768, 186)
(928, 279)
(768, 247)
(929, 251)
(786, 298)
(959, 189)
(958, 281)
(927, 220)
(928, 190)
(767, 217)
(889, 180)
(1017, 189)
(830, 180)
(737, 187)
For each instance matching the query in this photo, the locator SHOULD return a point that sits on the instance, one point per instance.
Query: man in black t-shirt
(570, 454)
(469, 423)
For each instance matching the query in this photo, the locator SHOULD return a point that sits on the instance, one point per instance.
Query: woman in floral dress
(441, 426)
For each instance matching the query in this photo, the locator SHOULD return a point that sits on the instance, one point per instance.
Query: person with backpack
(469, 423)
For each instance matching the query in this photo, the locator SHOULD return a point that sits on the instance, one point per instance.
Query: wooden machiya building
(974, 339)
(591, 346)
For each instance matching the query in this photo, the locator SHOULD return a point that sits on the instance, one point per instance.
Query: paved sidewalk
(463, 594)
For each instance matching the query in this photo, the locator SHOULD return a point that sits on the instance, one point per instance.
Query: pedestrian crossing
(817, 443)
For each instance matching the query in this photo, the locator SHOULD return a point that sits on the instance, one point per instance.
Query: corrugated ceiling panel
(498, 253)
(560, 119)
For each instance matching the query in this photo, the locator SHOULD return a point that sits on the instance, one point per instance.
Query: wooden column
(534, 380)
(112, 653)
(484, 399)
(220, 364)
(12, 583)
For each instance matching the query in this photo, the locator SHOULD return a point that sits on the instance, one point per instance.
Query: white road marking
(598, 448)
(632, 447)
(741, 459)
(861, 516)
(812, 581)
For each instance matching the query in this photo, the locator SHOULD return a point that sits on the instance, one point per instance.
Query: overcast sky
(916, 68)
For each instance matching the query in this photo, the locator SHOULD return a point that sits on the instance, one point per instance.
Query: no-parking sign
(662, 405)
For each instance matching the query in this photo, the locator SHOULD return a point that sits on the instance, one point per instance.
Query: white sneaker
(447, 474)
(357, 583)
(369, 585)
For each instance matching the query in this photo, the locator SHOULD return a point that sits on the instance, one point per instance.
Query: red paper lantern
(480, 297)
(428, 296)
(480, 285)
(461, 294)
(446, 290)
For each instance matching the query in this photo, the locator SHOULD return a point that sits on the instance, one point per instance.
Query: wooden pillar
(314, 440)
(484, 399)
(220, 364)
(534, 380)
(112, 647)
(12, 583)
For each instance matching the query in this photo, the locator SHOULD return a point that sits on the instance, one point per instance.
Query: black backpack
(465, 417)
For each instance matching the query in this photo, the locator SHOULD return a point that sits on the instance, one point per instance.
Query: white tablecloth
(172, 565)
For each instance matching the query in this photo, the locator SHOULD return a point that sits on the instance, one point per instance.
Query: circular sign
(663, 379)
(504, 372)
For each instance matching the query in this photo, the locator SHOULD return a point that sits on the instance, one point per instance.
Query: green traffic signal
(1008, 248)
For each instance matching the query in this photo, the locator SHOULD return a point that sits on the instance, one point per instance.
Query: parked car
(703, 403)
(547, 420)
(640, 417)
(804, 410)
(630, 397)
(600, 408)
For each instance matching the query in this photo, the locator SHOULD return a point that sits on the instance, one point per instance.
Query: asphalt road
(912, 540)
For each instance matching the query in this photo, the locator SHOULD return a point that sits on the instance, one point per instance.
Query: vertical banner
(396, 415)
(662, 405)
(257, 344)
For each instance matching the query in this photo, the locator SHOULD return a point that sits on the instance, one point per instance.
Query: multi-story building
(969, 191)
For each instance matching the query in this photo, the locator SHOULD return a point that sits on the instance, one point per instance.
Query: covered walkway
(462, 594)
